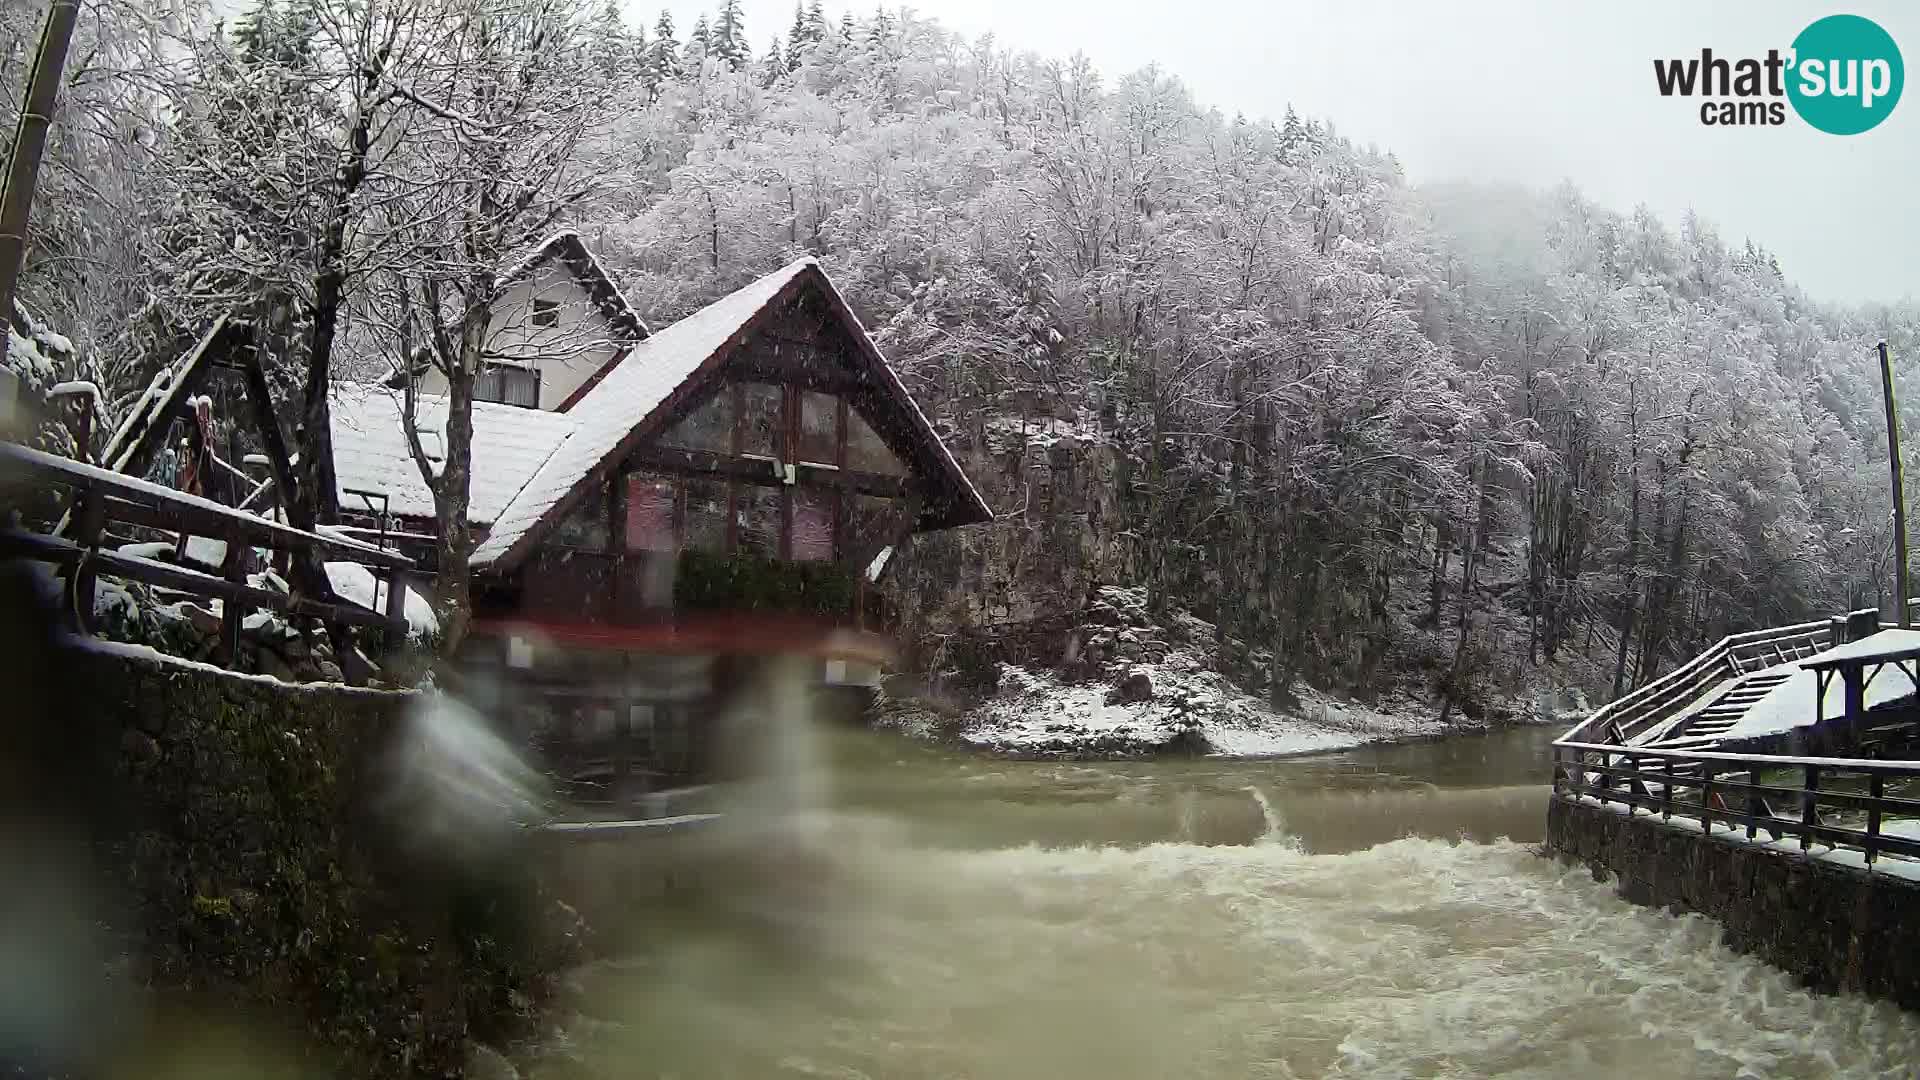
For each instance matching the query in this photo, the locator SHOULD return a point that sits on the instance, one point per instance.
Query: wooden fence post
(232, 611)
(1706, 797)
(1876, 790)
(1809, 816)
(91, 522)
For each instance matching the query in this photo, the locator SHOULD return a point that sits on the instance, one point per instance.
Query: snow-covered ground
(1036, 714)
(1143, 685)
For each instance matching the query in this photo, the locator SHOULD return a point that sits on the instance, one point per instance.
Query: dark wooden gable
(810, 342)
(804, 337)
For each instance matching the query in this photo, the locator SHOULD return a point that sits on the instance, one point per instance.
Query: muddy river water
(909, 912)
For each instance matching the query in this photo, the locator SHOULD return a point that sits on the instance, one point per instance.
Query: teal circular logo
(1846, 75)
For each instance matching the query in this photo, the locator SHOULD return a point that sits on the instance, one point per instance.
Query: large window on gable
(763, 415)
(650, 505)
(867, 451)
(819, 427)
(708, 427)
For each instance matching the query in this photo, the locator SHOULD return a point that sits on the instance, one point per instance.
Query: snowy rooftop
(370, 449)
(1883, 647)
(1791, 704)
(653, 369)
(526, 462)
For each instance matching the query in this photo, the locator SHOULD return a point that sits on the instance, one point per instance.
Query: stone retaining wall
(1835, 928)
(221, 876)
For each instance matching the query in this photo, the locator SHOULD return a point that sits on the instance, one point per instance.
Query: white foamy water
(1350, 949)
(1414, 958)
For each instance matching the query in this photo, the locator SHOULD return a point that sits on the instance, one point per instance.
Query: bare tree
(503, 137)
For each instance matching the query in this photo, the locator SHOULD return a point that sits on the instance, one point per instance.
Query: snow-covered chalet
(730, 482)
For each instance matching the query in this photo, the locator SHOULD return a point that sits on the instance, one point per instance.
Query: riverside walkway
(1769, 784)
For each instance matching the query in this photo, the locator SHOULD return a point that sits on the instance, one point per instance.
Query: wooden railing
(1725, 792)
(1630, 715)
(100, 496)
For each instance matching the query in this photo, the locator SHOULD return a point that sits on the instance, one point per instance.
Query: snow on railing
(1633, 713)
(1726, 794)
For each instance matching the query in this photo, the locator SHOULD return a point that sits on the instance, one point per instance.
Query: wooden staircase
(1706, 726)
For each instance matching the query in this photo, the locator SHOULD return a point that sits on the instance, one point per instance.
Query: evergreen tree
(697, 42)
(612, 48)
(881, 28)
(773, 66)
(728, 39)
(816, 23)
(1034, 314)
(663, 56)
(268, 35)
(796, 36)
(1292, 134)
(846, 26)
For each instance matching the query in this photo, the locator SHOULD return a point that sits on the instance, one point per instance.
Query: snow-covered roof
(370, 449)
(527, 462)
(1885, 646)
(1792, 703)
(613, 409)
(573, 253)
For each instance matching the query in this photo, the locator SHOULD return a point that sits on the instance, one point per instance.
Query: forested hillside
(1377, 434)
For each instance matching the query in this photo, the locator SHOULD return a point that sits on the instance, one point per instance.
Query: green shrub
(719, 581)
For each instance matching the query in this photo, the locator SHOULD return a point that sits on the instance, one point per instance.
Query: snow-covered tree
(727, 40)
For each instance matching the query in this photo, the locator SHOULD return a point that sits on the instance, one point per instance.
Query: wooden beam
(760, 471)
(52, 549)
(806, 378)
(892, 530)
(90, 523)
(203, 517)
(260, 400)
(134, 445)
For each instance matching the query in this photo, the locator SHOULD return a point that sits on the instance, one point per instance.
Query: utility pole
(29, 143)
(1899, 496)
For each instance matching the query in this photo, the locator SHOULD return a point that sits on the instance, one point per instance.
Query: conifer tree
(728, 38)
(796, 36)
(695, 52)
(773, 66)
(664, 54)
(614, 50)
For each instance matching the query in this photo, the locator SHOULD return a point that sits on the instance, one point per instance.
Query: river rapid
(885, 909)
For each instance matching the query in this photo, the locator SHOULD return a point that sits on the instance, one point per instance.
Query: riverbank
(1116, 680)
(1174, 706)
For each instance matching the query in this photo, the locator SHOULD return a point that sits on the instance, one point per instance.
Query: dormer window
(505, 384)
(546, 313)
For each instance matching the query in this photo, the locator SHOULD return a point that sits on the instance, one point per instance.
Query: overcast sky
(1517, 91)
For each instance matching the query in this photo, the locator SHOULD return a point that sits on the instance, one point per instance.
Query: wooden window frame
(833, 481)
(495, 368)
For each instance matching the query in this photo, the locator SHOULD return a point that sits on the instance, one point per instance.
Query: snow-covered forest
(1445, 438)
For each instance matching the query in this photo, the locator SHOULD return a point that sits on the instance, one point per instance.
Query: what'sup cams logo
(1843, 75)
